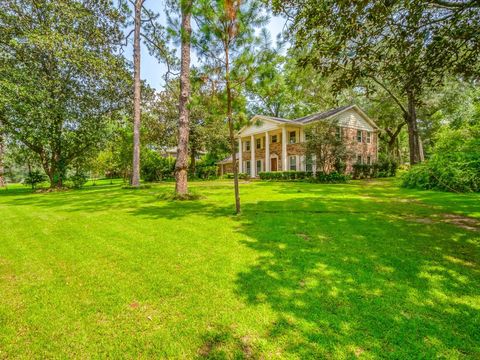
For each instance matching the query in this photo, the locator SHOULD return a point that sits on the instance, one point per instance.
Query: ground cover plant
(365, 269)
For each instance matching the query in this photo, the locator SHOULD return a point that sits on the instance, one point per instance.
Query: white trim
(240, 155)
(253, 147)
(284, 149)
(267, 151)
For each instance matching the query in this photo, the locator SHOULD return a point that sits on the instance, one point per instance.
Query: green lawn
(364, 270)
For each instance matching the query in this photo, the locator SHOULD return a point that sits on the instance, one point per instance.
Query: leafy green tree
(62, 78)
(402, 47)
(326, 145)
(34, 178)
(226, 37)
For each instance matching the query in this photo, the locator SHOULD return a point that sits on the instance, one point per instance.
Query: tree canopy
(62, 77)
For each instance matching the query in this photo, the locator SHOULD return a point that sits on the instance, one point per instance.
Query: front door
(273, 164)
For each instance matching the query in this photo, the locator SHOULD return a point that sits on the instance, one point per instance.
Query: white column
(253, 165)
(301, 139)
(240, 151)
(284, 149)
(267, 152)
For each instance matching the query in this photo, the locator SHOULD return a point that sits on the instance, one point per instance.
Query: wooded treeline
(72, 104)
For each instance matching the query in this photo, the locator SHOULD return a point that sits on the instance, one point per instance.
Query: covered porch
(277, 149)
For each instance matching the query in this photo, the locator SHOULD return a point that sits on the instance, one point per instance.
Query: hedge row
(285, 175)
(333, 177)
(377, 170)
(242, 176)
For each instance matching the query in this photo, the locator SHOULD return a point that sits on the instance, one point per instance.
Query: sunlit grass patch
(305, 271)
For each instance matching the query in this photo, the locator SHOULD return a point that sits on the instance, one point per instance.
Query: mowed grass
(362, 270)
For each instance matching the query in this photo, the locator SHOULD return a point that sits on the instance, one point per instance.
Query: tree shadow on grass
(345, 283)
(345, 275)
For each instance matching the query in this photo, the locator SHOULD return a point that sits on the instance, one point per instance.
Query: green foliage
(331, 178)
(206, 172)
(62, 78)
(78, 180)
(155, 167)
(454, 164)
(242, 176)
(34, 178)
(321, 177)
(283, 175)
(382, 169)
(325, 142)
(205, 168)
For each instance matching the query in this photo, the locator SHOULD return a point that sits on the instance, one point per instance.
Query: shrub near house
(454, 164)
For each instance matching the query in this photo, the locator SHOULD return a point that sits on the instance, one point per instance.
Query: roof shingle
(321, 115)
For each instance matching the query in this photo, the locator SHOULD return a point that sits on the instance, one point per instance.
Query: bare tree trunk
(181, 166)
(135, 181)
(413, 136)
(233, 145)
(2, 168)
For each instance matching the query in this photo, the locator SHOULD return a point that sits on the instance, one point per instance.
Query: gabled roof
(311, 118)
(271, 118)
(322, 115)
(227, 160)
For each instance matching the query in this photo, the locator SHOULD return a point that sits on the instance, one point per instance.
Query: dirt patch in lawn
(304, 236)
(461, 221)
(424, 220)
(464, 222)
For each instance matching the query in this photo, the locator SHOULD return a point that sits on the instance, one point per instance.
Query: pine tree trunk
(233, 145)
(413, 136)
(181, 166)
(135, 181)
(2, 167)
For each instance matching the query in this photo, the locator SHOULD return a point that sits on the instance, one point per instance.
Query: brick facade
(364, 149)
(354, 123)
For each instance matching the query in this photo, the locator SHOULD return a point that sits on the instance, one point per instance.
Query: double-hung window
(369, 137)
(248, 167)
(292, 137)
(247, 145)
(274, 139)
(309, 163)
(359, 159)
(259, 166)
(258, 143)
(359, 136)
(293, 163)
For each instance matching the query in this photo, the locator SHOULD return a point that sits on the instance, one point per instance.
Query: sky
(152, 71)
